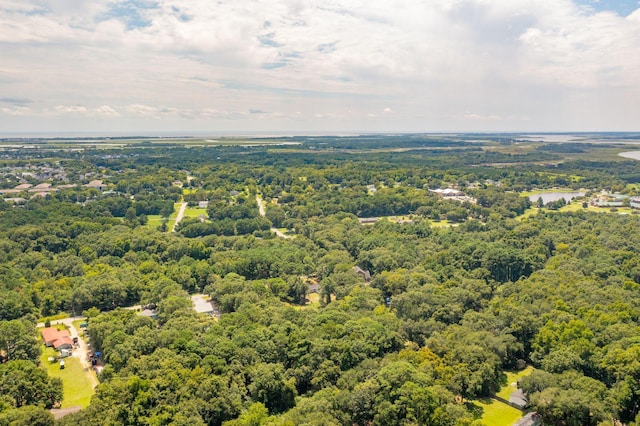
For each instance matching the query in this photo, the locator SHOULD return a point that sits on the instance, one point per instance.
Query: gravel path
(82, 350)
(260, 202)
(183, 207)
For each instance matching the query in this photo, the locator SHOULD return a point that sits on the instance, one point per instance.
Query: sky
(302, 66)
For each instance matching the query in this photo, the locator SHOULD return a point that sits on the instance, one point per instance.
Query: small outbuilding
(151, 313)
(201, 305)
(97, 184)
(364, 273)
(519, 399)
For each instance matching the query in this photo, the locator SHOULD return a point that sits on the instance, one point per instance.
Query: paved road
(183, 207)
(260, 202)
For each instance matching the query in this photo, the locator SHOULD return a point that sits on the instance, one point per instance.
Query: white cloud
(142, 110)
(107, 111)
(482, 117)
(71, 109)
(213, 62)
(16, 111)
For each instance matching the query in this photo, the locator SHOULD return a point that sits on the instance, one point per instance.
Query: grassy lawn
(549, 190)
(76, 325)
(314, 299)
(577, 205)
(574, 207)
(493, 412)
(512, 380)
(76, 385)
(441, 224)
(531, 211)
(155, 220)
(52, 318)
(174, 215)
(195, 212)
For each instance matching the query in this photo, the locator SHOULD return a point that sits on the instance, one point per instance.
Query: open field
(195, 212)
(512, 382)
(403, 219)
(548, 190)
(441, 224)
(59, 316)
(493, 412)
(154, 221)
(577, 205)
(76, 385)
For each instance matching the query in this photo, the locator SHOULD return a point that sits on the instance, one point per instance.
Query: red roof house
(63, 343)
(56, 338)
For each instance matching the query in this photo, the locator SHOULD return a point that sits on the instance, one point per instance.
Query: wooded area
(412, 320)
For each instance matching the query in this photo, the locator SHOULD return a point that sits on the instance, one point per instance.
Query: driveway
(260, 202)
(183, 207)
(82, 350)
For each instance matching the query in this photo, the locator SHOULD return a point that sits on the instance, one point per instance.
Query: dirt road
(183, 207)
(82, 350)
(260, 202)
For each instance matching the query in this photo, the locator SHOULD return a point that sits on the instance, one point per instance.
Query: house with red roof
(59, 339)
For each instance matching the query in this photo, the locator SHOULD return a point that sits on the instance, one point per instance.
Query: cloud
(16, 111)
(107, 111)
(557, 62)
(71, 109)
(142, 110)
(482, 117)
(16, 101)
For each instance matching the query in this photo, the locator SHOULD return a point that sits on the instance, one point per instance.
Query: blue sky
(136, 66)
(621, 7)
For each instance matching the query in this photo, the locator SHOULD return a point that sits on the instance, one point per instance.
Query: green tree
(27, 415)
(270, 387)
(18, 341)
(26, 384)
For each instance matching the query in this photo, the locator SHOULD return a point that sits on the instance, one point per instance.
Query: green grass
(531, 211)
(154, 221)
(195, 212)
(577, 205)
(441, 224)
(493, 412)
(512, 380)
(61, 315)
(549, 190)
(574, 207)
(76, 325)
(77, 386)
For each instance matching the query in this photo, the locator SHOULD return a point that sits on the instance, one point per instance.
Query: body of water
(549, 196)
(635, 155)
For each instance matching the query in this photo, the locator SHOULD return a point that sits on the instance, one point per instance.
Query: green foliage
(447, 309)
(18, 341)
(26, 384)
(27, 415)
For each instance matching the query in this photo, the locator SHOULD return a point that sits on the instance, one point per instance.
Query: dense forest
(377, 302)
